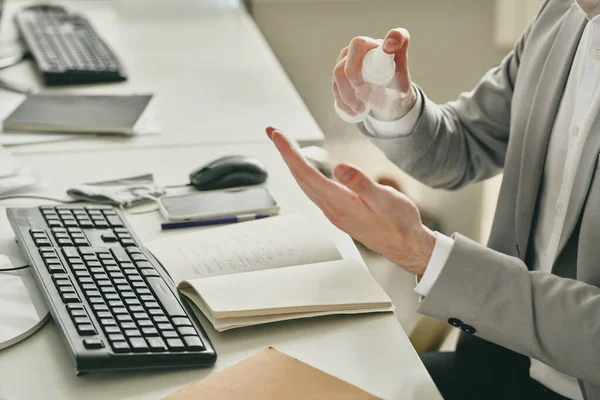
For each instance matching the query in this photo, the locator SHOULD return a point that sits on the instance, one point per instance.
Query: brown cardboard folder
(271, 375)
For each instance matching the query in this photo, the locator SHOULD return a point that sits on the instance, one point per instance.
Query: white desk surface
(370, 351)
(214, 77)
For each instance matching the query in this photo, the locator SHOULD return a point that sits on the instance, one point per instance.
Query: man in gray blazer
(529, 302)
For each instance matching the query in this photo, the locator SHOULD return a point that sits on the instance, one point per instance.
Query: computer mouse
(229, 172)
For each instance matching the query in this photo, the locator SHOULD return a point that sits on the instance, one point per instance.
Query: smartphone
(218, 203)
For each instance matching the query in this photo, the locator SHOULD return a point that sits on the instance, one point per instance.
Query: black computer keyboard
(112, 301)
(66, 47)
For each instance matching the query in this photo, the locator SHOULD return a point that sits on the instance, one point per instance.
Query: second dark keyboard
(66, 48)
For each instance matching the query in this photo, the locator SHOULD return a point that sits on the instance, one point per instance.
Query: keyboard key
(128, 242)
(144, 265)
(114, 221)
(109, 238)
(156, 312)
(140, 315)
(120, 310)
(62, 282)
(128, 325)
(124, 317)
(104, 314)
(142, 290)
(138, 344)
(136, 309)
(112, 329)
(165, 327)
(160, 319)
(128, 295)
(145, 323)
(66, 289)
(152, 304)
(132, 302)
(193, 342)
(115, 303)
(43, 243)
(108, 289)
(175, 344)
(100, 307)
(138, 257)
(70, 252)
(72, 307)
(147, 297)
(116, 337)
(96, 300)
(156, 344)
(166, 297)
(128, 267)
(56, 269)
(149, 331)
(93, 293)
(78, 313)
(86, 223)
(93, 344)
(81, 320)
(104, 282)
(70, 298)
(187, 331)
(132, 333)
(108, 322)
(86, 330)
(121, 347)
(78, 267)
(169, 334)
(150, 272)
(80, 242)
(120, 255)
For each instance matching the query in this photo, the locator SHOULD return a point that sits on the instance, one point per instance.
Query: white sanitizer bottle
(378, 69)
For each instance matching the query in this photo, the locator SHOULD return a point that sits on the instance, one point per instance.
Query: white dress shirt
(579, 107)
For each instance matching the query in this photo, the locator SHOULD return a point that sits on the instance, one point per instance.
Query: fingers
(343, 54)
(339, 102)
(345, 91)
(374, 195)
(356, 53)
(397, 42)
(300, 168)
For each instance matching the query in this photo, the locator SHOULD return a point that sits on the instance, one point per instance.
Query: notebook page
(328, 286)
(273, 242)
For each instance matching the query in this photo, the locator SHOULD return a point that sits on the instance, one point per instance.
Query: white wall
(452, 47)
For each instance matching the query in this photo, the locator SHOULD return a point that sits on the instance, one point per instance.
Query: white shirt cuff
(400, 127)
(441, 251)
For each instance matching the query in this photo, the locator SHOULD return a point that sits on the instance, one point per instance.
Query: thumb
(397, 42)
(355, 180)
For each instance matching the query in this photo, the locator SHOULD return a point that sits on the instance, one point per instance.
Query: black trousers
(482, 370)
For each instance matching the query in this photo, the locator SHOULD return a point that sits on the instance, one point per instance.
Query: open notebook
(267, 270)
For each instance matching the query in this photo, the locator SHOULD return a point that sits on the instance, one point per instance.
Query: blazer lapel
(541, 119)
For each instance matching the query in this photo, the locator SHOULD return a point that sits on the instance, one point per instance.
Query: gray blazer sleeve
(553, 319)
(462, 141)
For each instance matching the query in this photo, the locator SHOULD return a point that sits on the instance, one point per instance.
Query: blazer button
(455, 322)
(468, 329)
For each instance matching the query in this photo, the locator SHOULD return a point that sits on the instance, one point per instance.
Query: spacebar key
(166, 297)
